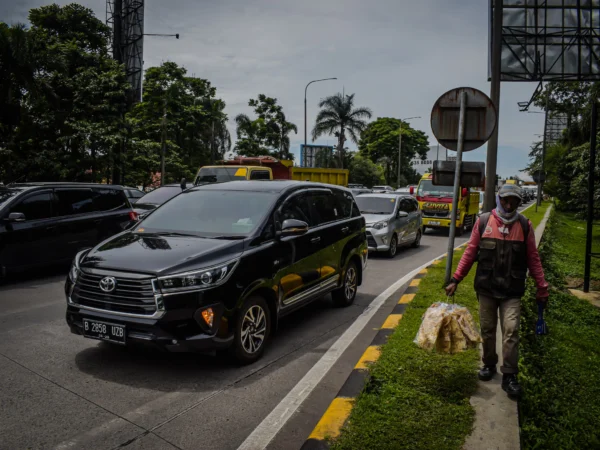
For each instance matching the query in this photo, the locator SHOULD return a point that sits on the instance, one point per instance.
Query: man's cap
(510, 190)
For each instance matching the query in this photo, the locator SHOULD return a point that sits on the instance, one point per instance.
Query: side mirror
(464, 192)
(402, 214)
(183, 184)
(16, 217)
(412, 190)
(293, 227)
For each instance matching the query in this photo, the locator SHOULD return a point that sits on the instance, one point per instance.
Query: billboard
(545, 40)
(316, 156)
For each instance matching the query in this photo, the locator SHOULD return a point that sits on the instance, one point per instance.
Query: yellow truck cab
(435, 203)
(221, 174)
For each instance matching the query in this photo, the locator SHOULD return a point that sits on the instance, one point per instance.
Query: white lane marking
(264, 433)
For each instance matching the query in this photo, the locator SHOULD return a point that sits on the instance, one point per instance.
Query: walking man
(503, 243)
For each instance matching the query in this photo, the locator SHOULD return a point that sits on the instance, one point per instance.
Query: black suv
(217, 266)
(45, 223)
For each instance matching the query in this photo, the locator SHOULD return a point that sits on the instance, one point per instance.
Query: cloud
(397, 56)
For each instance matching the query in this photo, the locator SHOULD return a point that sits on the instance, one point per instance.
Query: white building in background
(435, 152)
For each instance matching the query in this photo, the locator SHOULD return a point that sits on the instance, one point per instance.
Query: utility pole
(163, 150)
(590, 208)
(305, 121)
(492, 148)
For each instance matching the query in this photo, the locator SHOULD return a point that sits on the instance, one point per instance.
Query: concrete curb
(334, 418)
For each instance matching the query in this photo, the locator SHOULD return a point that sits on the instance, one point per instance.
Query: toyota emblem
(108, 284)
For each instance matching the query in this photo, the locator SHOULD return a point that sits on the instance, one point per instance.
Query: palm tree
(337, 117)
(285, 128)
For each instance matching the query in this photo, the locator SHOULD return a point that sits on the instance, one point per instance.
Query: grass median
(537, 216)
(417, 399)
(559, 371)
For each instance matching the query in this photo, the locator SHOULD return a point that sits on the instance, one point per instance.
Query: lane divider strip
(331, 423)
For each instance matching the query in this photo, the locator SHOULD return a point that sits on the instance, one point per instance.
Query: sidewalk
(496, 424)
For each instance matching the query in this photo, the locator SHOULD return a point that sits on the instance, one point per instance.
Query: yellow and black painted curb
(331, 423)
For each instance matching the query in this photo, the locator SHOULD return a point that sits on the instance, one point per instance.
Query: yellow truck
(268, 168)
(435, 203)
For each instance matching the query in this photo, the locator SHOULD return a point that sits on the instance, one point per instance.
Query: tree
(268, 134)
(338, 117)
(364, 171)
(379, 142)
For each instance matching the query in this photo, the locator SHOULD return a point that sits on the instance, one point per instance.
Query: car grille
(132, 296)
(370, 240)
(435, 213)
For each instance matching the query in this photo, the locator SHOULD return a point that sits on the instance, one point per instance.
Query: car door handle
(345, 229)
(315, 240)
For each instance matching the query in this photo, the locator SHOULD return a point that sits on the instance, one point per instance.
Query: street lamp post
(400, 146)
(305, 126)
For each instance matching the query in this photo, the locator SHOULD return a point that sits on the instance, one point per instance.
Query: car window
(355, 210)
(323, 207)
(296, 207)
(376, 205)
(344, 200)
(132, 193)
(405, 206)
(220, 174)
(160, 195)
(109, 199)
(6, 194)
(35, 207)
(260, 175)
(415, 204)
(74, 201)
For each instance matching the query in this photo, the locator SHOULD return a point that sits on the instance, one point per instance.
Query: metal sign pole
(459, 151)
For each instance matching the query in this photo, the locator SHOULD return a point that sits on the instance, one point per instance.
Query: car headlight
(198, 279)
(381, 225)
(74, 272)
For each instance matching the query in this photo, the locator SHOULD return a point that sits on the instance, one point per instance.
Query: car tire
(254, 320)
(393, 247)
(345, 295)
(424, 229)
(417, 242)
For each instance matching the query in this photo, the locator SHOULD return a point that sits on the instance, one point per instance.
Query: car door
(35, 240)
(297, 256)
(76, 221)
(403, 222)
(112, 212)
(327, 216)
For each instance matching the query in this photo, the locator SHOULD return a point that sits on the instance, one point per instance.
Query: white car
(382, 189)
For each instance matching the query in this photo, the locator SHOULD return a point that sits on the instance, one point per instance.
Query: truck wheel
(393, 247)
(345, 295)
(252, 331)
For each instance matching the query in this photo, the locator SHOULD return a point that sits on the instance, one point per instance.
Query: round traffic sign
(480, 119)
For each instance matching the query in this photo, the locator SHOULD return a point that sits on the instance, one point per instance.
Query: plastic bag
(449, 328)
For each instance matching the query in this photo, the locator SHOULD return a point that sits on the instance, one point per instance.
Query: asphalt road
(58, 390)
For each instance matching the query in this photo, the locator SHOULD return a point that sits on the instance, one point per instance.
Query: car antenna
(18, 179)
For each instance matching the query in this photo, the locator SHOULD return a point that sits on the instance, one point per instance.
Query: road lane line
(264, 433)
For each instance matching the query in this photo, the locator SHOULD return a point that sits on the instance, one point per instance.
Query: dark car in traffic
(218, 265)
(46, 223)
(153, 199)
(133, 194)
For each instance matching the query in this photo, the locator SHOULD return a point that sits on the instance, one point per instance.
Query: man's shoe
(511, 385)
(487, 373)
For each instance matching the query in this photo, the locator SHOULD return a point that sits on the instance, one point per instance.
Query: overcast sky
(397, 56)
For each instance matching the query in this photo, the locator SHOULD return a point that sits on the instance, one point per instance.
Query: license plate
(104, 331)
(433, 222)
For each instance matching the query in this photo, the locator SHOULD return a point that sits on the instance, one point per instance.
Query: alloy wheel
(254, 328)
(350, 282)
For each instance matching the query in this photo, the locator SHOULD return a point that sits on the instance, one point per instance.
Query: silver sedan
(392, 221)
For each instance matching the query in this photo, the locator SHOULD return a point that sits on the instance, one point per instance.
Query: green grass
(536, 217)
(560, 408)
(417, 399)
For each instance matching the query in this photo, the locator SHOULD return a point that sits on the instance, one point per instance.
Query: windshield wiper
(170, 233)
(228, 237)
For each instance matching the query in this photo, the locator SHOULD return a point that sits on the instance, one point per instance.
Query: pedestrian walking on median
(503, 243)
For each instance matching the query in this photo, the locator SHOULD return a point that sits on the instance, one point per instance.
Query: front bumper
(172, 332)
(437, 223)
(378, 240)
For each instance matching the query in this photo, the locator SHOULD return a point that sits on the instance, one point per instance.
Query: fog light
(384, 239)
(208, 315)
(174, 342)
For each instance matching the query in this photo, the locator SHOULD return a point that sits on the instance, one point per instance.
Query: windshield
(160, 195)
(7, 194)
(221, 174)
(380, 187)
(211, 213)
(375, 205)
(427, 189)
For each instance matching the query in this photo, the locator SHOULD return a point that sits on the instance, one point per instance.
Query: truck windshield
(220, 174)
(375, 205)
(426, 188)
(208, 213)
